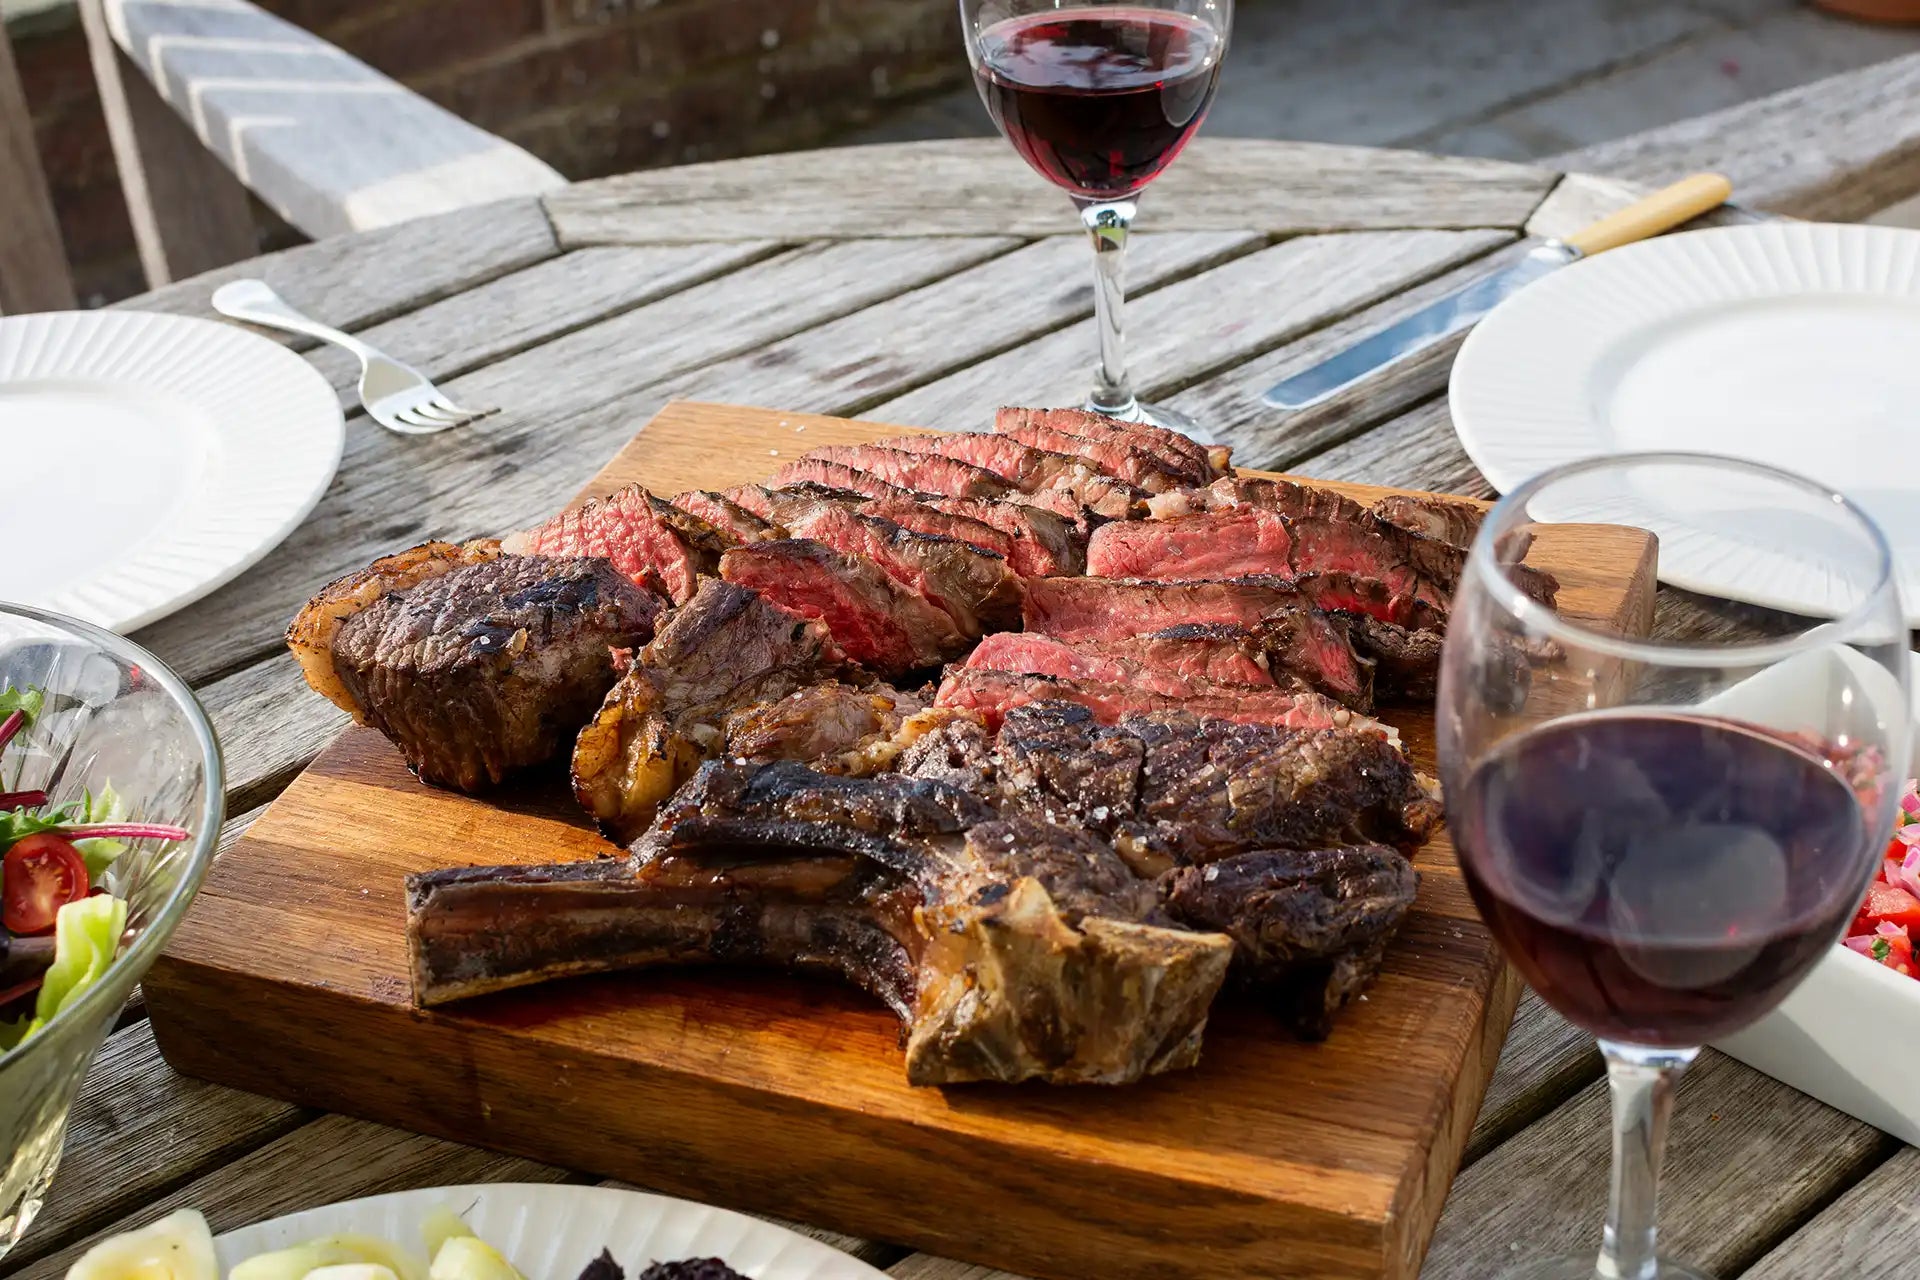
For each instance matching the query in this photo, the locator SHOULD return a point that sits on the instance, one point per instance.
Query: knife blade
(1661, 211)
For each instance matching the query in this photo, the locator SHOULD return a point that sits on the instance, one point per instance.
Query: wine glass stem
(1642, 1082)
(1109, 223)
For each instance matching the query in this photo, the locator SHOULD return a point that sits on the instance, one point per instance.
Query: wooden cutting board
(786, 1095)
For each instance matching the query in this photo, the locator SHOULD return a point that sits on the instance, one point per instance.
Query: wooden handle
(1662, 211)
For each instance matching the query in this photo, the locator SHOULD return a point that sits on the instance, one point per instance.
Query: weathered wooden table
(922, 284)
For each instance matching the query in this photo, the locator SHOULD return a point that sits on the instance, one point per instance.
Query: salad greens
(52, 861)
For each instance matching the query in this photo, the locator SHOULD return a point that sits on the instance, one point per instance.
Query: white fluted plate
(552, 1232)
(150, 458)
(1791, 343)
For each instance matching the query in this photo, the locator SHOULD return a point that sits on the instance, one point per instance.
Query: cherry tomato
(40, 874)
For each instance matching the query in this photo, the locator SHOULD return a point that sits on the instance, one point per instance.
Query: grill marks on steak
(875, 620)
(647, 538)
(1009, 948)
(1309, 927)
(726, 649)
(490, 668)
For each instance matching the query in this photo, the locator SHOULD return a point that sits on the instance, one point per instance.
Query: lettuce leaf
(27, 700)
(86, 938)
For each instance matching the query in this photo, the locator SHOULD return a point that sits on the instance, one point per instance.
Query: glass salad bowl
(118, 743)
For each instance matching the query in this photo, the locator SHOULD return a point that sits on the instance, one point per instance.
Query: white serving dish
(1849, 1035)
(551, 1232)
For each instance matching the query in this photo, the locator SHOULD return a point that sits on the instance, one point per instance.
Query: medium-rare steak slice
(1222, 654)
(645, 537)
(920, 472)
(1298, 639)
(1309, 927)
(1120, 460)
(1231, 543)
(1033, 470)
(832, 475)
(313, 630)
(1046, 543)
(725, 649)
(493, 667)
(992, 694)
(974, 588)
(1010, 949)
(872, 618)
(1029, 653)
(727, 516)
(1192, 461)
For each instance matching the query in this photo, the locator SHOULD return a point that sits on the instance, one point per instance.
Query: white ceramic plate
(1787, 343)
(1849, 1035)
(552, 1232)
(150, 459)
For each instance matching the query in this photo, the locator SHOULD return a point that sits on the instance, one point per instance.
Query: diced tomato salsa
(1883, 929)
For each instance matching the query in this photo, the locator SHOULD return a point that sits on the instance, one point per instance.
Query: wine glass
(1099, 96)
(1666, 835)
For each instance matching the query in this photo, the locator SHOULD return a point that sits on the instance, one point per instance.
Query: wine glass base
(1158, 415)
(1582, 1267)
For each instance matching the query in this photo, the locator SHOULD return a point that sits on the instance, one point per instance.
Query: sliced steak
(645, 537)
(873, 619)
(974, 588)
(1442, 519)
(1010, 949)
(918, 472)
(992, 694)
(834, 475)
(1231, 543)
(728, 516)
(1046, 543)
(1309, 927)
(1192, 461)
(1028, 653)
(1299, 639)
(1121, 460)
(1033, 470)
(1222, 654)
(1370, 597)
(725, 649)
(492, 667)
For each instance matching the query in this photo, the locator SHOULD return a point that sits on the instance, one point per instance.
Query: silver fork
(397, 396)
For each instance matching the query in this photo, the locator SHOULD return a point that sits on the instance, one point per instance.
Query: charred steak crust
(1309, 927)
(491, 668)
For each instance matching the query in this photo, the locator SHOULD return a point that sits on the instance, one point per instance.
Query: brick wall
(591, 86)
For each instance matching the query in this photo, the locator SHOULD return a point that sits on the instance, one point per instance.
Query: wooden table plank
(354, 281)
(520, 464)
(506, 316)
(1545, 1061)
(1747, 1159)
(1208, 322)
(1870, 1233)
(138, 1129)
(329, 1159)
(1417, 450)
(1230, 403)
(978, 186)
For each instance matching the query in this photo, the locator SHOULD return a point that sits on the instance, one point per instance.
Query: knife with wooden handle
(1662, 211)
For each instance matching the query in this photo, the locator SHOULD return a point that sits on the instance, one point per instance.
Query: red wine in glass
(1661, 879)
(1099, 100)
